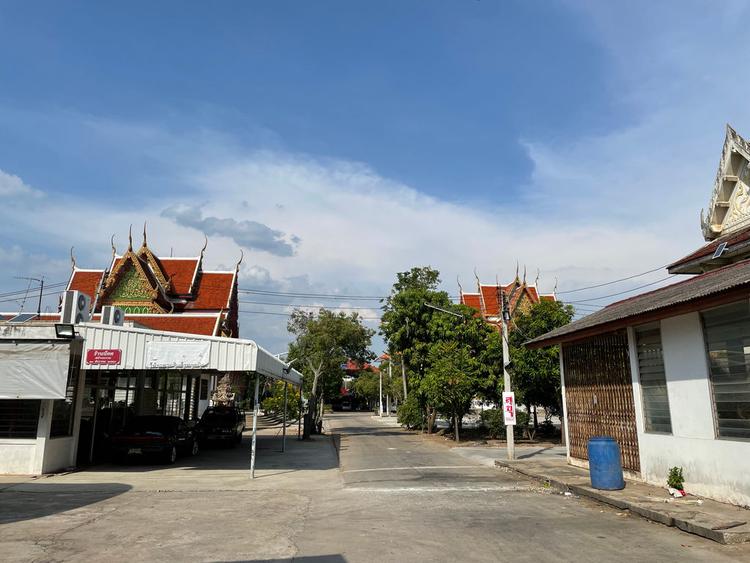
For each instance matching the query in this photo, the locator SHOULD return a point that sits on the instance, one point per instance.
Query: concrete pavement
(395, 496)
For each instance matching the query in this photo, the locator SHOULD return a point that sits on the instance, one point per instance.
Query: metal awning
(109, 347)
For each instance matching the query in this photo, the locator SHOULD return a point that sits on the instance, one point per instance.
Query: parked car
(153, 435)
(222, 424)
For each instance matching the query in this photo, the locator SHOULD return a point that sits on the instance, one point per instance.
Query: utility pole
(403, 373)
(380, 397)
(506, 374)
(388, 395)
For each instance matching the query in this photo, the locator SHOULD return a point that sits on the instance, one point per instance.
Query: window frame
(709, 374)
(651, 326)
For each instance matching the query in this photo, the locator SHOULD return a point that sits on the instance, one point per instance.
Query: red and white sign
(509, 408)
(103, 357)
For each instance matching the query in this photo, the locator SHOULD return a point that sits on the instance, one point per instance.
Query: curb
(690, 526)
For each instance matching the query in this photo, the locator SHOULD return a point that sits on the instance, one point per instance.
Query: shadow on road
(31, 500)
(305, 559)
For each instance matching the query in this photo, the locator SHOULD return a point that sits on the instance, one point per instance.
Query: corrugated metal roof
(226, 354)
(704, 285)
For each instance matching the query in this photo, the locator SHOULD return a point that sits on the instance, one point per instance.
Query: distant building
(163, 293)
(667, 373)
(487, 299)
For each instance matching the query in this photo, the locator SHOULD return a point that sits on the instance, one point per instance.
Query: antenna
(41, 292)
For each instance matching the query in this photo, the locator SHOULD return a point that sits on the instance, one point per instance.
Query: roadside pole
(283, 430)
(388, 395)
(380, 397)
(509, 439)
(403, 373)
(299, 412)
(256, 409)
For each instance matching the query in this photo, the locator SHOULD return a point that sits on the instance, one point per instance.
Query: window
(19, 418)
(656, 416)
(727, 336)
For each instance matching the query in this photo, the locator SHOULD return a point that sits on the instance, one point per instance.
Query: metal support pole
(390, 379)
(283, 430)
(403, 373)
(255, 427)
(509, 439)
(380, 396)
(299, 413)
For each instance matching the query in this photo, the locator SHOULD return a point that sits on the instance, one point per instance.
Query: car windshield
(151, 423)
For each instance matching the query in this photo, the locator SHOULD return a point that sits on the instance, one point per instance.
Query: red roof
(471, 299)
(709, 248)
(181, 271)
(213, 292)
(204, 325)
(86, 281)
(491, 300)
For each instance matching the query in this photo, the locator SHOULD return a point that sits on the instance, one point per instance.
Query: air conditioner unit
(75, 308)
(112, 316)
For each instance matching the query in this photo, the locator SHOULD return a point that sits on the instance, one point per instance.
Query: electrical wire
(613, 281)
(584, 301)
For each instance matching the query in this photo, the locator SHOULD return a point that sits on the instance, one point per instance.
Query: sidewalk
(723, 523)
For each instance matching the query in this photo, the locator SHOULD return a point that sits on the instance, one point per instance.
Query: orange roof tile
(204, 325)
(181, 271)
(213, 291)
(490, 295)
(471, 300)
(86, 281)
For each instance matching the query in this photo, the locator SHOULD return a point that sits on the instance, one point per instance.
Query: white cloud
(13, 186)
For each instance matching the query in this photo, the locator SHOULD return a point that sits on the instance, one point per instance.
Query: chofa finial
(144, 234)
(242, 255)
(112, 244)
(130, 238)
(205, 245)
(72, 259)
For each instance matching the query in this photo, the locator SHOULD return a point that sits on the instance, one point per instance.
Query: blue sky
(339, 142)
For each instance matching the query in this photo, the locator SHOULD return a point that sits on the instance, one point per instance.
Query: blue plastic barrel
(605, 467)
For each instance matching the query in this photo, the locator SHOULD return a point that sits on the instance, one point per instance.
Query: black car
(153, 435)
(222, 424)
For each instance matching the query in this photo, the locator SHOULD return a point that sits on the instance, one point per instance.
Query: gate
(599, 395)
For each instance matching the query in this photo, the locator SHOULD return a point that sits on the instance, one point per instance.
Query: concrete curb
(690, 525)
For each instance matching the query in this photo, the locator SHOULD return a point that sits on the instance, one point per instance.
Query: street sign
(509, 408)
(103, 357)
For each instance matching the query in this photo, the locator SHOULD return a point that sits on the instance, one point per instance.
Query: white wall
(714, 468)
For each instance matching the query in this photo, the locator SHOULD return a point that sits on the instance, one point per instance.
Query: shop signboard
(103, 357)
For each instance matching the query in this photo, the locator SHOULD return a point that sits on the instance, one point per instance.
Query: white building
(59, 397)
(667, 373)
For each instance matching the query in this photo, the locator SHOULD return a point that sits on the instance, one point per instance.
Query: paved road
(388, 496)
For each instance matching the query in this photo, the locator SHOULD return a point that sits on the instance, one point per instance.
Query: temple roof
(487, 299)
(173, 294)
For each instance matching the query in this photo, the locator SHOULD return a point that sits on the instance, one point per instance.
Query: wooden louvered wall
(599, 395)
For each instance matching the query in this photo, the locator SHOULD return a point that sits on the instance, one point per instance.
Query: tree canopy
(536, 373)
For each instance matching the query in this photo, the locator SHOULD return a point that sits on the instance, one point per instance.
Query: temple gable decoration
(729, 208)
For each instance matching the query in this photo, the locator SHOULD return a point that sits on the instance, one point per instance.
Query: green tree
(451, 380)
(367, 386)
(323, 341)
(405, 323)
(274, 402)
(536, 373)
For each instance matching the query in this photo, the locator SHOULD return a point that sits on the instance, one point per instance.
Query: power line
(613, 281)
(297, 305)
(246, 312)
(584, 301)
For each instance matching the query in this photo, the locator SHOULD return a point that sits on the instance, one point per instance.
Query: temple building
(487, 299)
(667, 373)
(163, 293)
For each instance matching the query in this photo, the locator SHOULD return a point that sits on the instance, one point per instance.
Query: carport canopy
(110, 347)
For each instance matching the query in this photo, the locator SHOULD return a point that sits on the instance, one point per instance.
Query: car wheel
(171, 455)
(194, 450)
